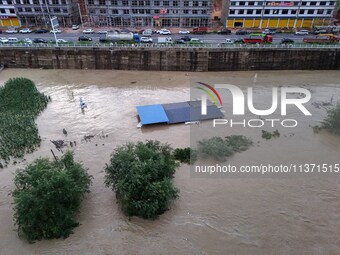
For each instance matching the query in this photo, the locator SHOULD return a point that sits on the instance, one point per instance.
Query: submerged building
(149, 13)
(277, 14)
(8, 17)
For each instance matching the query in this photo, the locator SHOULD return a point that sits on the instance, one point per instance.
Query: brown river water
(246, 215)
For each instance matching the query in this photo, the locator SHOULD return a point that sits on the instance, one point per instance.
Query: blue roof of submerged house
(152, 114)
(177, 112)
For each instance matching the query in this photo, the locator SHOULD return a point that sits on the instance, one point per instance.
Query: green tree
(140, 174)
(332, 121)
(47, 197)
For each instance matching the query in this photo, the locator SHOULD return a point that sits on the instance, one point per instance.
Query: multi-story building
(149, 13)
(8, 17)
(38, 12)
(277, 14)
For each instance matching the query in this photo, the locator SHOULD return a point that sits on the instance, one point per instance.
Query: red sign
(155, 17)
(162, 11)
(280, 4)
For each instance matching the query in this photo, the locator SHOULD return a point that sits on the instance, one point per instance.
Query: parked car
(84, 38)
(103, 40)
(13, 40)
(147, 32)
(269, 31)
(39, 40)
(11, 31)
(145, 39)
(302, 32)
(41, 31)
(242, 32)
(287, 41)
(224, 31)
(62, 41)
(164, 32)
(102, 32)
(25, 31)
(27, 41)
(184, 32)
(75, 27)
(88, 31)
(179, 41)
(57, 31)
(186, 38)
(3, 40)
(195, 40)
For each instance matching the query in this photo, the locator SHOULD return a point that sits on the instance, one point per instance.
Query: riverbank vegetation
(47, 197)
(140, 174)
(220, 148)
(332, 122)
(20, 104)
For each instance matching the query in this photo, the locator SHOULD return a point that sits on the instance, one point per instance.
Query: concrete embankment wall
(166, 59)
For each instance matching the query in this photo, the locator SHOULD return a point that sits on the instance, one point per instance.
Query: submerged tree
(47, 197)
(140, 174)
(332, 121)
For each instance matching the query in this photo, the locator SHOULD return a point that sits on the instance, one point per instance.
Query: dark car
(41, 31)
(39, 40)
(84, 38)
(242, 32)
(179, 41)
(224, 31)
(103, 40)
(186, 38)
(287, 41)
(0, 31)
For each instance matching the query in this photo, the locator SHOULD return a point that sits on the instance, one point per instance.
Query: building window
(194, 11)
(28, 9)
(156, 3)
(17, 1)
(329, 11)
(56, 10)
(134, 3)
(304, 3)
(147, 3)
(266, 11)
(251, 3)
(204, 11)
(141, 3)
(126, 12)
(174, 3)
(134, 11)
(125, 3)
(102, 11)
(92, 11)
(156, 11)
(114, 11)
(242, 3)
(186, 3)
(90, 1)
(240, 11)
(19, 9)
(284, 11)
(147, 11)
(312, 3)
(55, 1)
(320, 12)
(114, 2)
(231, 12)
(310, 12)
(102, 2)
(293, 12)
(63, 1)
(322, 3)
(204, 3)
(2, 11)
(11, 11)
(35, 9)
(258, 11)
(26, 2)
(166, 3)
(195, 3)
(232, 3)
(186, 11)
(64, 10)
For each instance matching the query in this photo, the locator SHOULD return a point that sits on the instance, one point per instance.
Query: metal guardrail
(177, 46)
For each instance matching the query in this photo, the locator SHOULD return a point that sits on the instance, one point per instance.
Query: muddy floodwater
(246, 215)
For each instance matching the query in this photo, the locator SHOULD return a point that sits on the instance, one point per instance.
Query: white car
(62, 41)
(11, 31)
(184, 32)
(13, 40)
(57, 31)
(302, 32)
(164, 32)
(75, 27)
(3, 40)
(25, 31)
(102, 32)
(145, 39)
(88, 31)
(27, 41)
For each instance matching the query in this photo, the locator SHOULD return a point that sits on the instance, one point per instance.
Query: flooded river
(247, 215)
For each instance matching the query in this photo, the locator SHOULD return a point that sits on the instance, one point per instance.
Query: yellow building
(277, 14)
(7, 21)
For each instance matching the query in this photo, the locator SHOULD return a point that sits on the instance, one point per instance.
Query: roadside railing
(176, 46)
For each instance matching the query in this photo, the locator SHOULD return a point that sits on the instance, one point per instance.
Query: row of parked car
(28, 31)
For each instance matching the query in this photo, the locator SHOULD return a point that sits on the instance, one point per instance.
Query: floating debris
(59, 144)
(64, 131)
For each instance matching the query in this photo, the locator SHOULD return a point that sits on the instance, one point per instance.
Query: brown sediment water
(213, 215)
